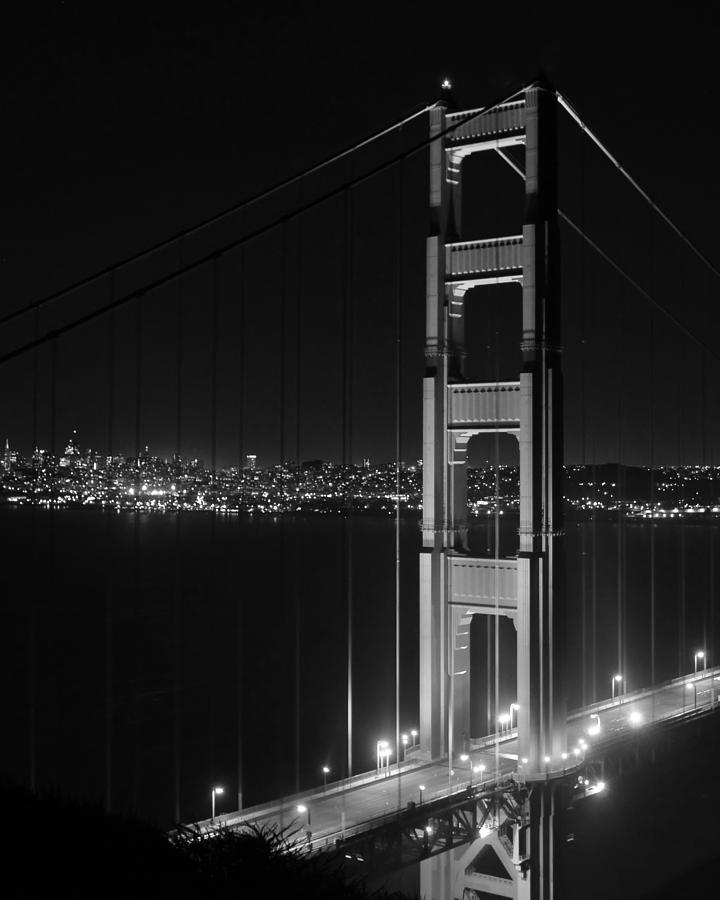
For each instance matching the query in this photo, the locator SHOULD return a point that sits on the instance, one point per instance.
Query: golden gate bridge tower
(455, 586)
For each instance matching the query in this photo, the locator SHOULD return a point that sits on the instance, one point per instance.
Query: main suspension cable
(628, 177)
(257, 232)
(212, 220)
(611, 262)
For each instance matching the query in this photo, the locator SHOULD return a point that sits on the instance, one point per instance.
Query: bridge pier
(514, 854)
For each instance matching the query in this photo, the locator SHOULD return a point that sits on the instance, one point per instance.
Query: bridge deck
(353, 806)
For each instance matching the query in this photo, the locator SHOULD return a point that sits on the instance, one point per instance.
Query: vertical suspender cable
(212, 579)
(217, 276)
(178, 574)
(298, 359)
(700, 498)
(136, 606)
(487, 621)
(52, 581)
(110, 561)
(653, 622)
(593, 528)
(283, 400)
(653, 614)
(347, 411)
(33, 612)
(298, 532)
(138, 380)
(710, 498)
(496, 448)
(241, 473)
(583, 427)
(398, 451)
(682, 637)
(177, 579)
(619, 495)
(53, 405)
(36, 376)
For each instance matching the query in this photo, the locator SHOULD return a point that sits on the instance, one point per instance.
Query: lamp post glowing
(692, 686)
(301, 808)
(616, 682)
(504, 721)
(479, 770)
(216, 791)
(700, 654)
(413, 735)
(421, 790)
(384, 754)
(404, 740)
(381, 747)
(326, 772)
(594, 729)
(514, 707)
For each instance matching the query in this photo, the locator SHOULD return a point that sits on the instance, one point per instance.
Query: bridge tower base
(513, 856)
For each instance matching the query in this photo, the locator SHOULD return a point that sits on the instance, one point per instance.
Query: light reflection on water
(125, 640)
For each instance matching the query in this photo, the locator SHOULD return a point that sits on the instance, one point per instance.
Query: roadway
(352, 806)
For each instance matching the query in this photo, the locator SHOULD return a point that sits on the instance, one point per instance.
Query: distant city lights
(80, 478)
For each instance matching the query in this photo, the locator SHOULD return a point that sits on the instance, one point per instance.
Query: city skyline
(148, 482)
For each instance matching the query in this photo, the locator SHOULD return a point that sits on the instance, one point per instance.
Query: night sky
(125, 125)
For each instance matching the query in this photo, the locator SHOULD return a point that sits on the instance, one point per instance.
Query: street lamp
(479, 770)
(616, 681)
(595, 728)
(301, 808)
(405, 744)
(692, 686)
(700, 654)
(216, 791)
(514, 707)
(326, 772)
(384, 757)
(503, 720)
(421, 789)
(413, 735)
(380, 748)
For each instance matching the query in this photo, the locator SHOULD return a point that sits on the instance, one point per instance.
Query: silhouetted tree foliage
(268, 860)
(53, 846)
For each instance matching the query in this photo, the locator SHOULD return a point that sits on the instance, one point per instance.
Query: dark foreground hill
(52, 846)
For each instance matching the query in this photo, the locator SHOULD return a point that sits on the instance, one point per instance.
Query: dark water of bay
(139, 653)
